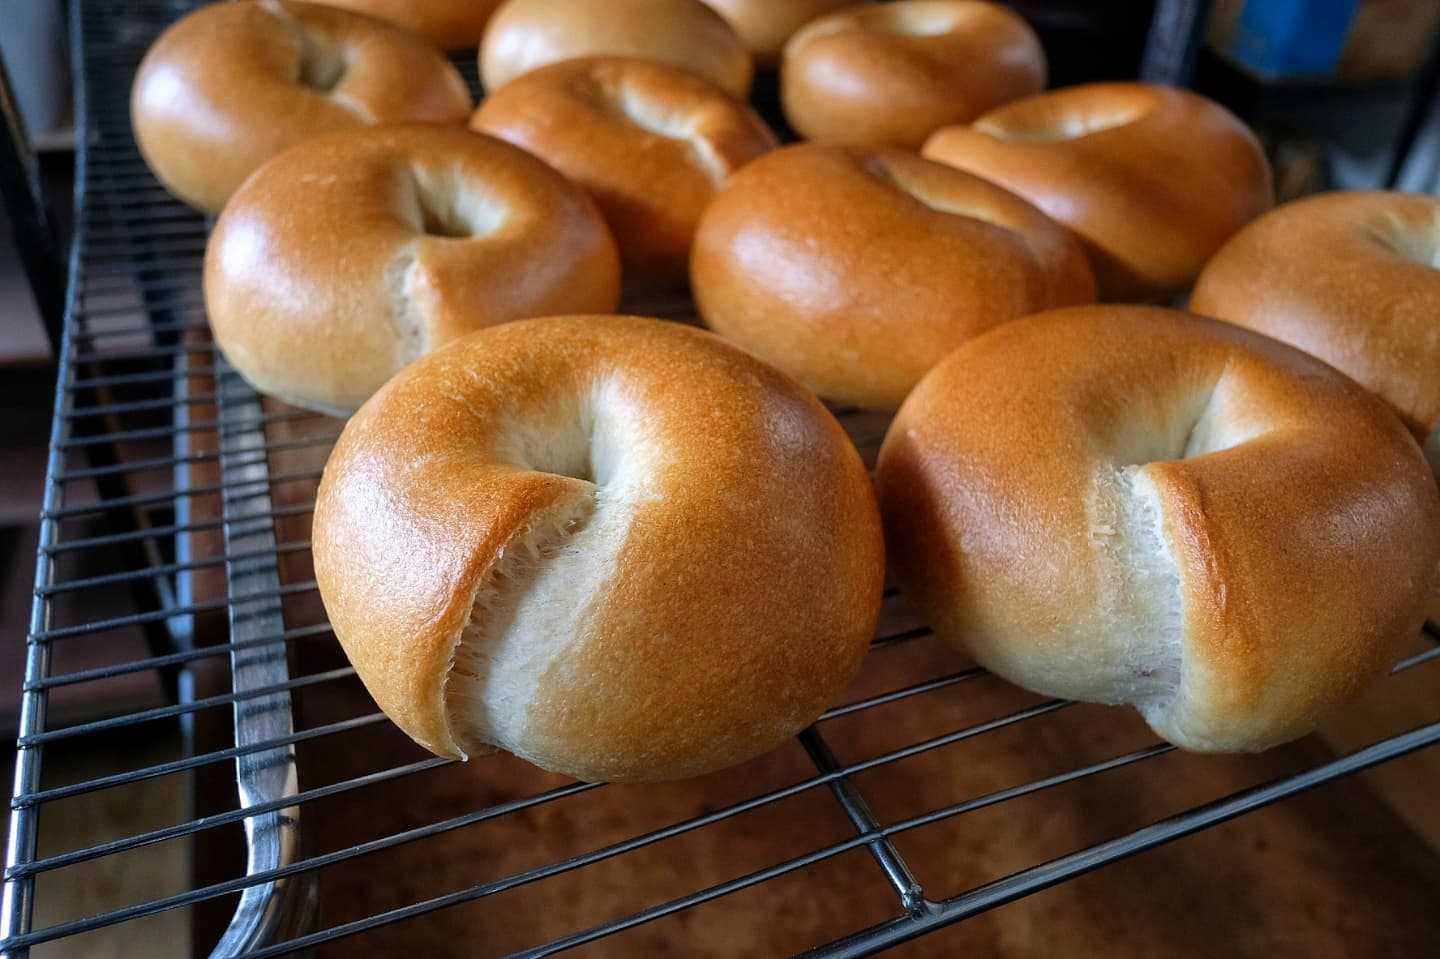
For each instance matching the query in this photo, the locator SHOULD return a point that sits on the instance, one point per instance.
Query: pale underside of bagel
(534, 605)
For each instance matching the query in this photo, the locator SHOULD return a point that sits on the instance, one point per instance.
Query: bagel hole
(614, 96)
(321, 68)
(1432, 449)
(1199, 420)
(594, 438)
(920, 19)
(449, 205)
(1055, 126)
(1408, 243)
(321, 65)
(885, 172)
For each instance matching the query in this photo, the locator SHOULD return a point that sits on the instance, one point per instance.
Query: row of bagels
(1085, 499)
(814, 256)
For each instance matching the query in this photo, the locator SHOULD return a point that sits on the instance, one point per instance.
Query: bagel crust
(617, 547)
(449, 24)
(1153, 179)
(352, 254)
(1134, 505)
(891, 74)
(233, 84)
(1351, 278)
(527, 34)
(856, 270)
(650, 142)
(765, 25)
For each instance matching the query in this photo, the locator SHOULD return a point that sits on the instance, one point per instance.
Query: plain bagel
(350, 255)
(1126, 504)
(1153, 179)
(890, 74)
(617, 547)
(1351, 278)
(449, 24)
(526, 34)
(231, 85)
(650, 142)
(765, 25)
(856, 270)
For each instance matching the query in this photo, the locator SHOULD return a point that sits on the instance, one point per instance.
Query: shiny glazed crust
(765, 25)
(449, 24)
(526, 34)
(1153, 179)
(1128, 504)
(1351, 278)
(348, 256)
(856, 270)
(740, 592)
(891, 74)
(232, 84)
(650, 142)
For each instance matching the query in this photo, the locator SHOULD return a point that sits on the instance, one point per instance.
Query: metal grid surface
(158, 449)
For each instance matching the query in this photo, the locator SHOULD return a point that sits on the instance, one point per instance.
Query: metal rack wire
(158, 448)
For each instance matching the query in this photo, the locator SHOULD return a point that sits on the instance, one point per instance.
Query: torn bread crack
(412, 332)
(527, 613)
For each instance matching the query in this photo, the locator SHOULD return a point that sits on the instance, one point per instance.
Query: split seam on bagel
(321, 68)
(1129, 521)
(533, 605)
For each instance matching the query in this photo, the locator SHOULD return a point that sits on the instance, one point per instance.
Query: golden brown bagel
(449, 24)
(765, 25)
(856, 270)
(620, 548)
(890, 74)
(650, 142)
(229, 86)
(1126, 504)
(350, 255)
(1351, 278)
(1154, 180)
(526, 34)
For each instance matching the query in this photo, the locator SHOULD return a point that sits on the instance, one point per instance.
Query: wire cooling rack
(174, 487)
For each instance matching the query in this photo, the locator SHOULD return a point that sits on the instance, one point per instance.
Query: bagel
(449, 24)
(1134, 505)
(526, 34)
(1350, 278)
(650, 142)
(856, 270)
(890, 74)
(229, 86)
(1153, 179)
(619, 548)
(765, 25)
(350, 255)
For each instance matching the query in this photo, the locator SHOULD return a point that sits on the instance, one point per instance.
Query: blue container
(1292, 38)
